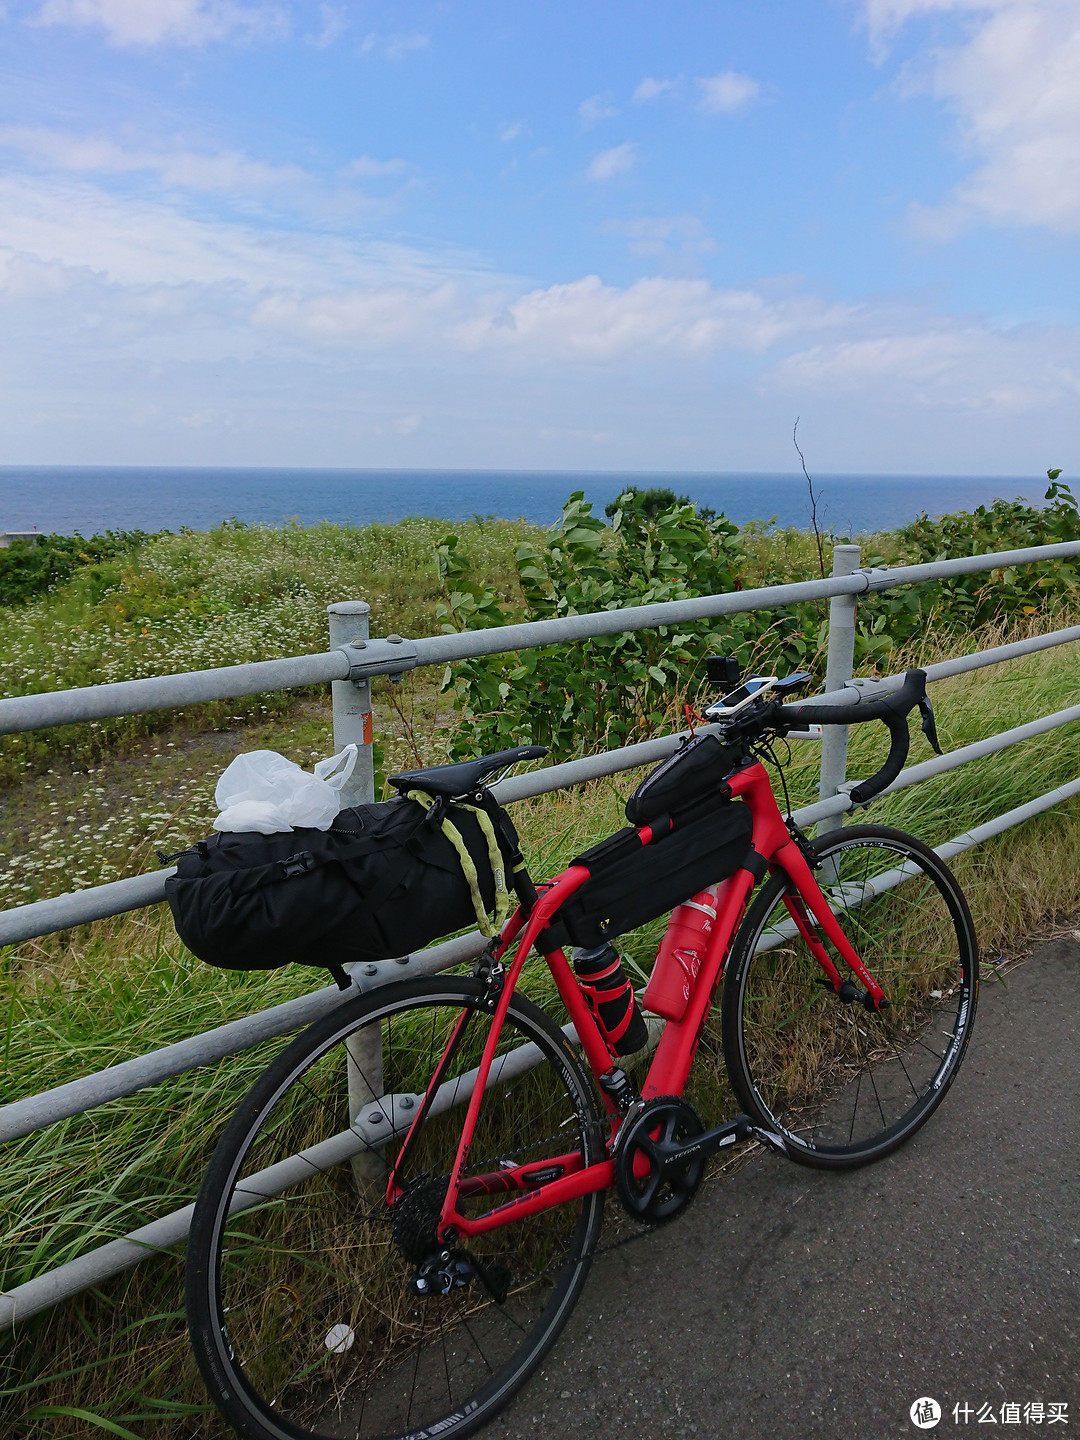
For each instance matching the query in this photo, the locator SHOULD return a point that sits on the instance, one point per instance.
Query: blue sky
(586, 235)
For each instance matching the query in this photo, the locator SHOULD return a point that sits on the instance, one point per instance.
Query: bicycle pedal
(768, 1137)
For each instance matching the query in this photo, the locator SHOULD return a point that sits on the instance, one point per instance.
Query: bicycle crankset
(657, 1174)
(660, 1160)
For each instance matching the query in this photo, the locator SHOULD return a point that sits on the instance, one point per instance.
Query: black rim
(842, 1083)
(309, 1325)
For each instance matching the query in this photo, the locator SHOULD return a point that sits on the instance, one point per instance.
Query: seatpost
(519, 875)
(838, 663)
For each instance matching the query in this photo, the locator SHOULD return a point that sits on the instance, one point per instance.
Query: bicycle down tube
(774, 846)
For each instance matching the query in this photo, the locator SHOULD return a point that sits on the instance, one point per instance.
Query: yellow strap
(469, 869)
(495, 855)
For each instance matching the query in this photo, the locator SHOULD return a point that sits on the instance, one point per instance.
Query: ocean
(90, 499)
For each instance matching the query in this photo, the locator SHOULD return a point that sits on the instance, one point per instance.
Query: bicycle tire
(841, 1084)
(299, 1308)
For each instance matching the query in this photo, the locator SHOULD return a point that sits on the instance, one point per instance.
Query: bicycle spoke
(860, 1080)
(316, 1284)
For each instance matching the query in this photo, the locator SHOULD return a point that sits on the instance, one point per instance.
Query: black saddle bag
(687, 834)
(384, 880)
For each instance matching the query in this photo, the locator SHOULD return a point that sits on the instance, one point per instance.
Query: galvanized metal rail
(349, 664)
(394, 655)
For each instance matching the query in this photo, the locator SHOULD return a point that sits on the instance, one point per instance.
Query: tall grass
(201, 599)
(75, 1003)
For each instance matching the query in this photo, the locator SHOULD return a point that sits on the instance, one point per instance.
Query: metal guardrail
(349, 664)
(356, 657)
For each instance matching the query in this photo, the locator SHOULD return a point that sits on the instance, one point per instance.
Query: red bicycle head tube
(754, 786)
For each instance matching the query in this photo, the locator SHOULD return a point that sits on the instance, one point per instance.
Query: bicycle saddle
(452, 781)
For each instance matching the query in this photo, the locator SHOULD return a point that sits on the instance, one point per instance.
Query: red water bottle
(680, 955)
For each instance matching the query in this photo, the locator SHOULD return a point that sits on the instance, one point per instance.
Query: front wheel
(841, 1084)
(304, 1308)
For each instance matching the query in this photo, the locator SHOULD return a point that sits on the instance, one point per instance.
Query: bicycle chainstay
(642, 1231)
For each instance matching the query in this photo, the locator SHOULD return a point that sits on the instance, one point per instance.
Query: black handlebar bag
(384, 880)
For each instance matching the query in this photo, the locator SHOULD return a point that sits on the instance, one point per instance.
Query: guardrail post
(349, 622)
(838, 663)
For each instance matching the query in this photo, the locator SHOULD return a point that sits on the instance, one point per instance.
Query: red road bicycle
(402, 1273)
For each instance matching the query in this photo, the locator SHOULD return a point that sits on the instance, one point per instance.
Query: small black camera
(723, 671)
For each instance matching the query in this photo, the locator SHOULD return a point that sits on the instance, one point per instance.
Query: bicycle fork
(807, 905)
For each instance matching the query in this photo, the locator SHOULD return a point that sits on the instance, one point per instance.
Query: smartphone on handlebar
(739, 699)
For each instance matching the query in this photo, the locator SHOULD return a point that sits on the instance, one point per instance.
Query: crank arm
(733, 1133)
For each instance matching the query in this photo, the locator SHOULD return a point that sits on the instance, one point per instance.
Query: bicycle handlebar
(893, 709)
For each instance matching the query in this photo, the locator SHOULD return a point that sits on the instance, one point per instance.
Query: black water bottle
(611, 998)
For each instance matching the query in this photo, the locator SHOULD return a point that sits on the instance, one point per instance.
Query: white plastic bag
(263, 791)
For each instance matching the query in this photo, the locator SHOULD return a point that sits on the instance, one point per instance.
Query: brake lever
(929, 729)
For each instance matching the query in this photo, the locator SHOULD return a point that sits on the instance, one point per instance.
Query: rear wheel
(844, 1085)
(304, 1311)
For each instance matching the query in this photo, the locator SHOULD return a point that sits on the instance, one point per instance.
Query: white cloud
(594, 109)
(365, 167)
(387, 316)
(239, 182)
(677, 243)
(958, 367)
(334, 21)
(161, 22)
(511, 130)
(394, 47)
(149, 242)
(724, 93)
(226, 172)
(590, 322)
(616, 161)
(884, 18)
(651, 89)
(1014, 87)
(148, 334)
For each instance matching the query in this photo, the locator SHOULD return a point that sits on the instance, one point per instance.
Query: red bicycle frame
(670, 1065)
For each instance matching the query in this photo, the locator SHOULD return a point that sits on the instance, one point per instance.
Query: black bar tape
(900, 702)
(892, 709)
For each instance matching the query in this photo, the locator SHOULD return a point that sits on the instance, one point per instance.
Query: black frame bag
(631, 883)
(696, 770)
(686, 834)
(384, 880)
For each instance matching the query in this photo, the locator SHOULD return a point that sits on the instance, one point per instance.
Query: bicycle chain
(514, 1154)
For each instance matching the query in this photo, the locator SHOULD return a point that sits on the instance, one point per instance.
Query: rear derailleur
(449, 1270)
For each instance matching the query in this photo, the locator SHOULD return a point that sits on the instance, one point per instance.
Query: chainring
(654, 1182)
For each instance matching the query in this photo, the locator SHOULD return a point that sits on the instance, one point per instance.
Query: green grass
(84, 805)
(220, 597)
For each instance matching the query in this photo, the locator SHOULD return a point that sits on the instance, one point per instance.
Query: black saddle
(454, 781)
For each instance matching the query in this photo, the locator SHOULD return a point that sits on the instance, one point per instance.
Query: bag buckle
(297, 864)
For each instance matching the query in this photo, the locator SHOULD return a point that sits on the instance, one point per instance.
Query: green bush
(659, 547)
(608, 689)
(29, 568)
(987, 595)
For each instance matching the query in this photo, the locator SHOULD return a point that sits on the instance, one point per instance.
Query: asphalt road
(790, 1303)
